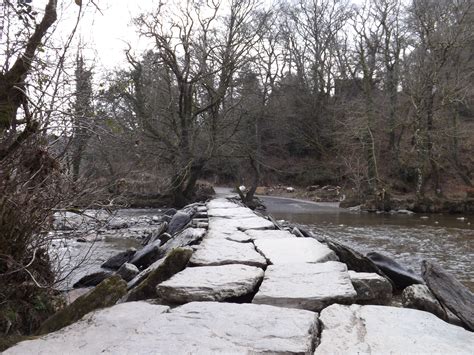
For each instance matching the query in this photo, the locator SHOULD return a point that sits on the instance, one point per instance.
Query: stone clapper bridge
(251, 288)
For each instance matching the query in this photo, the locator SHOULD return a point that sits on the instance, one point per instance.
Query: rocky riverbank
(219, 278)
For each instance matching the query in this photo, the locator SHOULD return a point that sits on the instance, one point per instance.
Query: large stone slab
(223, 328)
(237, 212)
(221, 203)
(122, 328)
(306, 286)
(388, 330)
(195, 328)
(215, 251)
(241, 224)
(232, 235)
(294, 250)
(210, 283)
(269, 234)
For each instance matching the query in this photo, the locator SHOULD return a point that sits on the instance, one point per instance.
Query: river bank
(397, 203)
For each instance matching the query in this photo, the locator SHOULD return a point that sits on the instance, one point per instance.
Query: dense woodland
(376, 97)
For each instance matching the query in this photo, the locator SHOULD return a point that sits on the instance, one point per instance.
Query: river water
(446, 239)
(407, 238)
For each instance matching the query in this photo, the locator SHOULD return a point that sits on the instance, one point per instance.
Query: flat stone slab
(210, 283)
(198, 327)
(221, 203)
(294, 250)
(215, 251)
(388, 330)
(237, 212)
(230, 234)
(223, 328)
(306, 286)
(241, 224)
(269, 234)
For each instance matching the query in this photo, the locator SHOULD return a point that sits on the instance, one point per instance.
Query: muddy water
(409, 239)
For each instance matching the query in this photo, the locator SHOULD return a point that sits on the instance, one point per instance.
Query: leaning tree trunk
(12, 84)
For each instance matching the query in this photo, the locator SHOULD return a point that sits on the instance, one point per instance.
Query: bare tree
(83, 115)
(201, 54)
(439, 31)
(12, 86)
(388, 14)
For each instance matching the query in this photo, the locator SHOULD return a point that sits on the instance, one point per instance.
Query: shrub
(31, 187)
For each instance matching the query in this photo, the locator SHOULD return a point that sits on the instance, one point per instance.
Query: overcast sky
(109, 32)
(104, 33)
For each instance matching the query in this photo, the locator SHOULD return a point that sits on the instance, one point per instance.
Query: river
(446, 239)
(407, 238)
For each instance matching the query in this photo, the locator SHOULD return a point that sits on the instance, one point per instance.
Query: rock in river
(195, 328)
(388, 330)
(180, 220)
(127, 271)
(420, 297)
(352, 258)
(450, 291)
(119, 259)
(147, 256)
(210, 283)
(371, 288)
(92, 279)
(400, 276)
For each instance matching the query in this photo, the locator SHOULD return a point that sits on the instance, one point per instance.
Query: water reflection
(446, 239)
